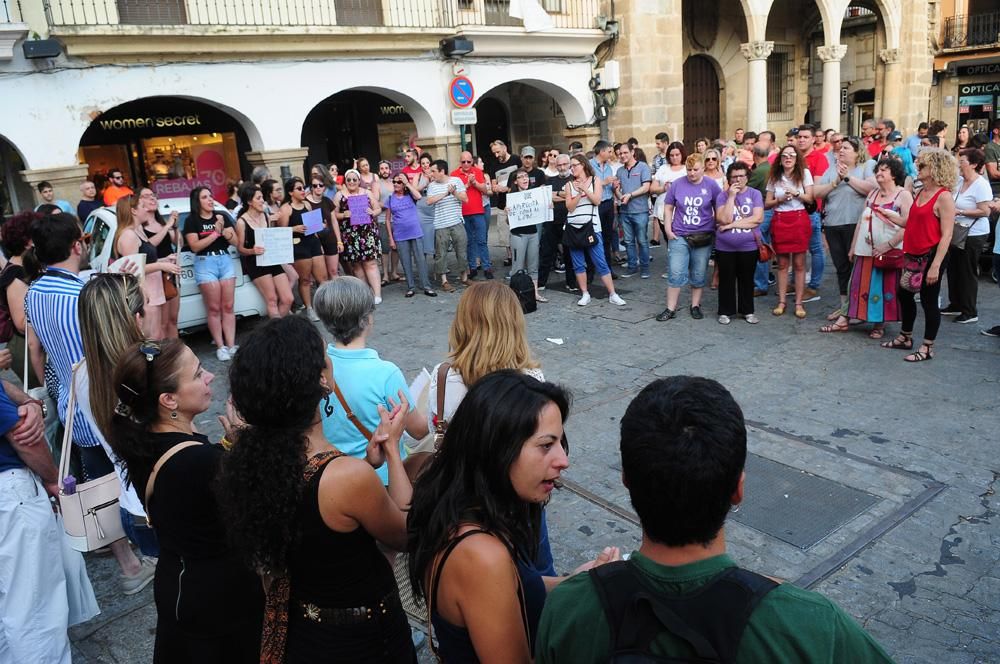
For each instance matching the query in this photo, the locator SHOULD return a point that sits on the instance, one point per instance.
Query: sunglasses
(466, 161)
(298, 188)
(318, 185)
(711, 159)
(352, 179)
(399, 182)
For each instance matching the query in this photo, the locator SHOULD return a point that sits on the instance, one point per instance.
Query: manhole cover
(795, 506)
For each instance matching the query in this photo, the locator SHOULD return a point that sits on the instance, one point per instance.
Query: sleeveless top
(454, 642)
(249, 239)
(296, 220)
(923, 228)
(585, 212)
(145, 247)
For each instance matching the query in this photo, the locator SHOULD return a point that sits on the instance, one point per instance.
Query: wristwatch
(845, 178)
(41, 404)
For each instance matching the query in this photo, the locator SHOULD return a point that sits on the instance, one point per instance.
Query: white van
(101, 225)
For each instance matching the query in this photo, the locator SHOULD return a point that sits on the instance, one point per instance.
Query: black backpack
(524, 288)
(710, 619)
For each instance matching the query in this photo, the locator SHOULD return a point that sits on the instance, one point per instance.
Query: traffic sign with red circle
(461, 92)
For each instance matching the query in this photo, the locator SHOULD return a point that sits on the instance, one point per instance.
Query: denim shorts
(686, 264)
(140, 534)
(214, 267)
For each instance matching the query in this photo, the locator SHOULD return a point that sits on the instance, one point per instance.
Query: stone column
(447, 147)
(831, 56)
(756, 53)
(65, 181)
(891, 85)
(293, 158)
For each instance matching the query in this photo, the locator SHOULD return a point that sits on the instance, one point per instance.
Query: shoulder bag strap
(27, 353)
(442, 380)
(156, 469)
(347, 410)
(67, 442)
(435, 579)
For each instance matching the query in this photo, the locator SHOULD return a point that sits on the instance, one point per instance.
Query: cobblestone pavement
(870, 480)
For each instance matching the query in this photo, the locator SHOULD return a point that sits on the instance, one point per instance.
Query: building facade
(179, 93)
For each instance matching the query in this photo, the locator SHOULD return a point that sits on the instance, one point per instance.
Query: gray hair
(345, 305)
(259, 174)
(761, 151)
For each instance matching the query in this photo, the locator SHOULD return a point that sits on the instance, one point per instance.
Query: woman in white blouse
(972, 230)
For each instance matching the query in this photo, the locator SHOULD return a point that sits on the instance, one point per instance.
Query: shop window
(143, 12)
(780, 83)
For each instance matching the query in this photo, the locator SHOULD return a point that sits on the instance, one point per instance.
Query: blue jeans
(816, 249)
(476, 229)
(140, 534)
(596, 254)
(686, 265)
(636, 228)
(760, 274)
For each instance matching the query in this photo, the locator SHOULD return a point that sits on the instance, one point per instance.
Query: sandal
(904, 341)
(922, 355)
(409, 293)
(540, 298)
(876, 333)
(834, 315)
(779, 310)
(800, 311)
(384, 283)
(835, 327)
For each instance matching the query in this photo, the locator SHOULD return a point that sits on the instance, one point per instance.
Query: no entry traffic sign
(461, 92)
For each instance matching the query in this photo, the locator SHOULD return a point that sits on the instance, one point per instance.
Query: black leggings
(736, 270)
(839, 239)
(928, 302)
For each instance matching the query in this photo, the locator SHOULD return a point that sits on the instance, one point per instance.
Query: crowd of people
(314, 472)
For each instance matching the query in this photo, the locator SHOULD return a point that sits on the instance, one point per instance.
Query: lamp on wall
(453, 47)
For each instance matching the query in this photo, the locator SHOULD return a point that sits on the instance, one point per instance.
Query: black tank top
(296, 219)
(332, 569)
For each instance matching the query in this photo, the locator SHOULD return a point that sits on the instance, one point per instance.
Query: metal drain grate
(795, 506)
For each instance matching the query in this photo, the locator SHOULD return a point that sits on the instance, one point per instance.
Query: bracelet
(40, 404)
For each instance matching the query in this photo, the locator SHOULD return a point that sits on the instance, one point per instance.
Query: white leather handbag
(91, 515)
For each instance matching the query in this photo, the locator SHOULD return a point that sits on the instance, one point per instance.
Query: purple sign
(358, 205)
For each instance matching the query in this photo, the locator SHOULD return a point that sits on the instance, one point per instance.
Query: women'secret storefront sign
(529, 207)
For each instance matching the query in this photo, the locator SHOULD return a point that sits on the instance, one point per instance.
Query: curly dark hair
(896, 170)
(275, 383)
(17, 232)
(468, 481)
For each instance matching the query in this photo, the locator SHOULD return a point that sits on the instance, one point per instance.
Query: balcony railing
(440, 14)
(10, 11)
(971, 30)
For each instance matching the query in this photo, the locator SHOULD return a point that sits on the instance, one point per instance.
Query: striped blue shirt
(605, 172)
(51, 310)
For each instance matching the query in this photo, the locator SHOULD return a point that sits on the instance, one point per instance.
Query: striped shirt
(51, 310)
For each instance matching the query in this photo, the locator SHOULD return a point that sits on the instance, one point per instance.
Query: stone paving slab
(838, 406)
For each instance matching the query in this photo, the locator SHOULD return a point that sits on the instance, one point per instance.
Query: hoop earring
(173, 414)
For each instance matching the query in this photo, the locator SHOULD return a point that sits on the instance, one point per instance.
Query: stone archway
(15, 193)
(701, 99)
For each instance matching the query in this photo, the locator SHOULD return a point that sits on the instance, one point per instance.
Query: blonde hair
(125, 212)
(108, 306)
(695, 160)
(488, 333)
(942, 165)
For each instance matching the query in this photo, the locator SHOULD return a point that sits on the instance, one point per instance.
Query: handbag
(699, 239)
(958, 235)
(440, 422)
(91, 515)
(765, 252)
(912, 276)
(890, 260)
(169, 287)
(579, 237)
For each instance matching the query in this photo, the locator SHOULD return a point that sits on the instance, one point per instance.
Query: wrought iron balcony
(972, 30)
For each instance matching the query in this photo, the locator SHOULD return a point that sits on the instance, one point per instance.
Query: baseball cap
(895, 136)
(794, 131)
(527, 151)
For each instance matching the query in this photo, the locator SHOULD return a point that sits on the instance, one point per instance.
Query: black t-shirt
(203, 227)
(7, 277)
(84, 208)
(536, 178)
(558, 183)
(500, 200)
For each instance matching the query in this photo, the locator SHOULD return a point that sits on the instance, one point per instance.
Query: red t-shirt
(874, 148)
(475, 203)
(817, 164)
(412, 172)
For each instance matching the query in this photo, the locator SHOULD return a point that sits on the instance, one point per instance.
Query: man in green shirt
(683, 448)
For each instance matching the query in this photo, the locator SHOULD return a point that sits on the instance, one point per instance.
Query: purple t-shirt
(739, 239)
(694, 205)
(405, 220)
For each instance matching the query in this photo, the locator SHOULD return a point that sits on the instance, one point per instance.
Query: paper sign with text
(530, 207)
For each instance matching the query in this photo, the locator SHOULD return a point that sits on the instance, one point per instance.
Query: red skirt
(790, 232)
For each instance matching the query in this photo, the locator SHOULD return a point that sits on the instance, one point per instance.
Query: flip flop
(876, 333)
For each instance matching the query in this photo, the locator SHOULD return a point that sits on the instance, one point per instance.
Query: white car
(101, 225)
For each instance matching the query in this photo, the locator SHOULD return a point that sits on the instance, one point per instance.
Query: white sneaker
(584, 300)
(616, 299)
(752, 319)
(222, 354)
(723, 319)
(232, 350)
(311, 314)
(132, 585)
(378, 300)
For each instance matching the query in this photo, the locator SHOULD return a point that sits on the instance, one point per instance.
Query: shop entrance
(169, 144)
(701, 100)
(357, 123)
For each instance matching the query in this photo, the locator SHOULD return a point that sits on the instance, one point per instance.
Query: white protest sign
(277, 243)
(529, 207)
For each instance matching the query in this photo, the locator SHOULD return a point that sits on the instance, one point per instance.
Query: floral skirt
(872, 292)
(361, 243)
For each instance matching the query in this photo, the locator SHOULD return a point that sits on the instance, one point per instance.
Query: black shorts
(307, 247)
(253, 271)
(328, 240)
